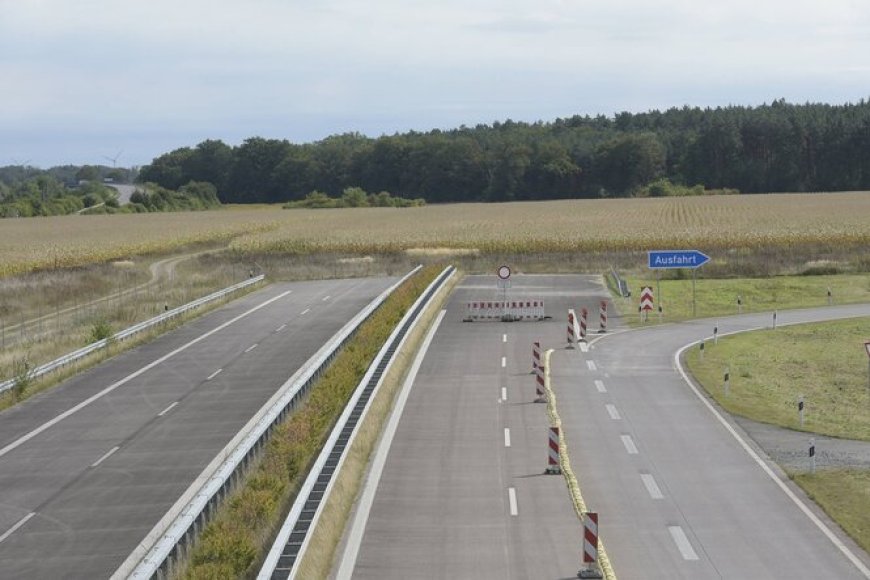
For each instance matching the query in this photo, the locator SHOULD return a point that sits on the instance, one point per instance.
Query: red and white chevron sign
(646, 298)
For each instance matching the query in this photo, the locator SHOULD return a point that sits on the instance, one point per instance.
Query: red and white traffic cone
(536, 356)
(553, 467)
(590, 547)
(584, 315)
(540, 391)
(603, 318)
(572, 337)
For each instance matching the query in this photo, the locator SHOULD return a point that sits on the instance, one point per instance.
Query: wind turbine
(114, 159)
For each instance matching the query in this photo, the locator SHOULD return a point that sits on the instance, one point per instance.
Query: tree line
(777, 147)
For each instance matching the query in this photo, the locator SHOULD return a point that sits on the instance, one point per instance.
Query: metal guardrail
(171, 538)
(621, 285)
(81, 353)
(294, 535)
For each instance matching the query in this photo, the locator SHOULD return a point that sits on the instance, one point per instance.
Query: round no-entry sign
(504, 272)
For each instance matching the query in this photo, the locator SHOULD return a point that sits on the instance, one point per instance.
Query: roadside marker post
(830, 297)
(590, 547)
(739, 304)
(553, 467)
(801, 410)
(584, 316)
(867, 348)
(702, 350)
(716, 334)
(774, 319)
(812, 453)
(603, 318)
(727, 381)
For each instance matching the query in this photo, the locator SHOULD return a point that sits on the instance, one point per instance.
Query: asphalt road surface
(88, 468)
(462, 493)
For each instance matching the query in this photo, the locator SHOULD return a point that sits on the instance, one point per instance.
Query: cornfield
(839, 220)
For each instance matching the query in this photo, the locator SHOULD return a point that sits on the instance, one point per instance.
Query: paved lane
(100, 478)
(463, 493)
(676, 492)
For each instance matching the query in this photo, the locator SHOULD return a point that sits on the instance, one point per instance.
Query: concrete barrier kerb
(567, 472)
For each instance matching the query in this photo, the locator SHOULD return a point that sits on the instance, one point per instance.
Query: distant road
(88, 468)
(124, 192)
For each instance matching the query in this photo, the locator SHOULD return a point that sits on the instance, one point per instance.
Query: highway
(88, 468)
(463, 494)
(678, 494)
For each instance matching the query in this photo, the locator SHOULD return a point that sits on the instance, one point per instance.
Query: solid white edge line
(252, 347)
(628, 442)
(355, 536)
(512, 501)
(591, 365)
(682, 542)
(599, 384)
(761, 463)
(652, 487)
(167, 409)
(214, 374)
(612, 411)
(14, 528)
(48, 424)
(106, 456)
(507, 437)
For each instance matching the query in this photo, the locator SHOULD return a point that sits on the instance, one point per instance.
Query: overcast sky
(82, 80)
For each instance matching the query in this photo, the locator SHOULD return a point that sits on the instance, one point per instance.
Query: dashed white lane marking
(503, 362)
(47, 425)
(682, 543)
(167, 409)
(512, 501)
(504, 393)
(504, 338)
(651, 486)
(591, 365)
(250, 348)
(106, 456)
(507, 437)
(214, 374)
(629, 444)
(304, 312)
(613, 412)
(584, 347)
(327, 298)
(600, 386)
(280, 328)
(14, 528)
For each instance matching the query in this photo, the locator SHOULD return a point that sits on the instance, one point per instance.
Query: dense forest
(780, 147)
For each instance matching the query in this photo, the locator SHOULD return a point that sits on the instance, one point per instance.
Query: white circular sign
(504, 272)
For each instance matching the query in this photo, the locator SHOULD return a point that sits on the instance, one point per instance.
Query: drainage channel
(290, 554)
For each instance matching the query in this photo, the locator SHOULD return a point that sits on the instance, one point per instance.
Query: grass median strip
(239, 535)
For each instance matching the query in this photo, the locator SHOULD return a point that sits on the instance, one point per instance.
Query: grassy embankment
(827, 365)
(240, 533)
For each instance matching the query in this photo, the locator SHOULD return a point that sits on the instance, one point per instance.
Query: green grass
(718, 297)
(844, 494)
(770, 369)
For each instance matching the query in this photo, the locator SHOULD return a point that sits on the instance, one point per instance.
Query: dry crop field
(834, 220)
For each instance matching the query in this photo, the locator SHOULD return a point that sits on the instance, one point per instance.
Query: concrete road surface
(462, 495)
(88, 468)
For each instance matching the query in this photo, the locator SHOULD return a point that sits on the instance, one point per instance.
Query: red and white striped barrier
(539, 385)
(584, 315)
(553, 467)
(536, 355)
(500, 310)
(602, 324)
(590, 546)
(572, 335)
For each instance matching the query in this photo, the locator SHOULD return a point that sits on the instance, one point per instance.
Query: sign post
(504, 282)
(675, 259)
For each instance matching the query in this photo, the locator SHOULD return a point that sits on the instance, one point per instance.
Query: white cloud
(189, 69)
